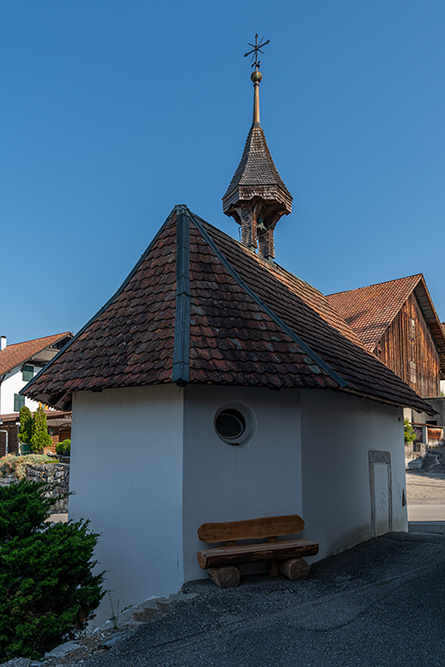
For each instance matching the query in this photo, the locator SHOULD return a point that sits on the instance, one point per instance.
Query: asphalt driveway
(381, 603)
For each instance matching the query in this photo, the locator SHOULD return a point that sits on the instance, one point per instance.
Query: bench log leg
(225, 577)
(295, 568)
(274, 568)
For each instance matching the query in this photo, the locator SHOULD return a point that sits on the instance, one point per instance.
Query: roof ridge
(323, 365)
(285, 273)
(385, 282)
(181, 345)
(32, 340)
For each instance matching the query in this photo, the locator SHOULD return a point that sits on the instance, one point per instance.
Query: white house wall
(338, 433)
(126, 474)
(11, 385)
(226, 483)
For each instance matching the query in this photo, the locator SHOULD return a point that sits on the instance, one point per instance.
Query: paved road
(426, 501)
(379, 604)
(432, 510)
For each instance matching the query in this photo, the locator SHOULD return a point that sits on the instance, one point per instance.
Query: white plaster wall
(11, 385)
(126, 473)
(226, 483)
(338, 430)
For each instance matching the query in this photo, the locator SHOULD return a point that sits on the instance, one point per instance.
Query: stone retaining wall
(53, 473)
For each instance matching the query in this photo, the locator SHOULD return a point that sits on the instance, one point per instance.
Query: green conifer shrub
(47, 588)
(26, 423)
(40, 436)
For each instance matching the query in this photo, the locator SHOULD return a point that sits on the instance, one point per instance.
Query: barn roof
(18, 353)
(369, 311)
(201, 308)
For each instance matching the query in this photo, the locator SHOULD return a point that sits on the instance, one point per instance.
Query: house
(59, 428)
(19, 363)
(397, 321)
(215, 385)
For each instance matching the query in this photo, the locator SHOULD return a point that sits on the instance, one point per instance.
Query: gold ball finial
(256, 76)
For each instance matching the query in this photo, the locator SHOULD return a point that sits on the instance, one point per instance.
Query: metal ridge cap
(304, 346)
(181, 345)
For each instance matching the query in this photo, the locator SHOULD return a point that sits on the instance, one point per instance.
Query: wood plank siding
(408, 349)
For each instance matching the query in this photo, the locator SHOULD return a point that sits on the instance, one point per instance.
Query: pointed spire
(257, 196)
(256, 75)
(256, 78)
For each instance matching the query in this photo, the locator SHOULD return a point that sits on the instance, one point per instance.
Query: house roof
(18, 353)
(257, 174)
(51, 415)
(199, 307)
(369, 311)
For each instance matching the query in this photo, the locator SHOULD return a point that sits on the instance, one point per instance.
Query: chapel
(215, 385)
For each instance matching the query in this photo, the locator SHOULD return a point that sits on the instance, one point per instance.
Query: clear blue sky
(114, 111)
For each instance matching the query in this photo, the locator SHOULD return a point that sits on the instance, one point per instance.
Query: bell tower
(257, 196)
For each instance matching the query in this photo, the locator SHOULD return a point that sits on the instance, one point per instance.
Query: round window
(235, 424)
(230, 424)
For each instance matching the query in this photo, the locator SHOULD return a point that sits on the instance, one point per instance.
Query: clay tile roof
(199, 307)
(257, 174)
(369, 311)
(18, 353)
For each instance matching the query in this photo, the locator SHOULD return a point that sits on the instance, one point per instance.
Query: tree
(26, 423)
(40, 436)
(409, 432)
(47, 587)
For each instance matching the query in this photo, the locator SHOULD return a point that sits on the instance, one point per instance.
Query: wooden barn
(397, 321)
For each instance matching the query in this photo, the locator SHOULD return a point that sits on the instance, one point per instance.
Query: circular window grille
(235, 424)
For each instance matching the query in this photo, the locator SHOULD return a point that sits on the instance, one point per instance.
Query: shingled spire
(257, 196)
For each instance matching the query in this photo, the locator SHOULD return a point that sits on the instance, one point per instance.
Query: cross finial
(256, 48)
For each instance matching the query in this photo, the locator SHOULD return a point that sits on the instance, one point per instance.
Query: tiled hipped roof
(18, 353)
(199, 307)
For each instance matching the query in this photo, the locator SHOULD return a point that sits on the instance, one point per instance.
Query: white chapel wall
(226, 483)
(126, 474)
(338, 432)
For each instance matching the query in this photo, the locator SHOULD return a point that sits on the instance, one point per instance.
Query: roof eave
(426, 407)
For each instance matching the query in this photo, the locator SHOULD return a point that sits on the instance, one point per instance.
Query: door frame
(379, 456)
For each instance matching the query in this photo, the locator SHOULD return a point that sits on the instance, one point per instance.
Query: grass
(16, 465)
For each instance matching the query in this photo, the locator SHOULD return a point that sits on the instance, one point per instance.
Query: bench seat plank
(251, 553)
(251, 529)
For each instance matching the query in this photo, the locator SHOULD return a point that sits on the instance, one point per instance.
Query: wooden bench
(284, 556)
